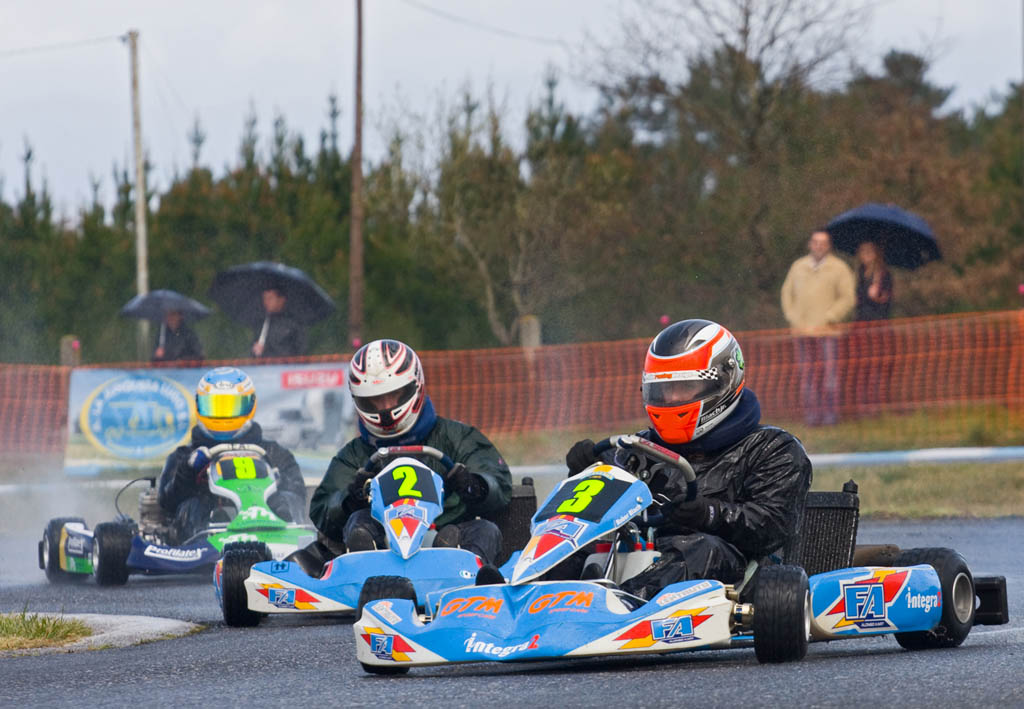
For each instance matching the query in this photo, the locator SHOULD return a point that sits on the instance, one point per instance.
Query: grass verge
(21, 631)
(926, 490)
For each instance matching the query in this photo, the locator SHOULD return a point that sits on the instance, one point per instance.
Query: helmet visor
(387, 402)
(224, 406)
(679, 391)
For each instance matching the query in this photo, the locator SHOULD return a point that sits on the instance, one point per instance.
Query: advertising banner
(130, 419)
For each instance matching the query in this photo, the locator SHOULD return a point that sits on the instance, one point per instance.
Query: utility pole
(141, 250)
(355, 257)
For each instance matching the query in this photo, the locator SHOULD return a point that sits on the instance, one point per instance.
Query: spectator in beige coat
(818, 294)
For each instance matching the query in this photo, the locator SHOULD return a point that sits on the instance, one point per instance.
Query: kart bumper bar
(993, 607)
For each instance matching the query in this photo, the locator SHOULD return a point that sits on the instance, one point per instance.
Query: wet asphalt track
(309, 661)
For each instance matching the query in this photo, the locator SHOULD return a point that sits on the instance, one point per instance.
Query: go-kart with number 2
(405, 497)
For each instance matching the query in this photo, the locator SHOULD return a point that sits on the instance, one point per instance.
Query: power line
(54, 47)
(487, 28)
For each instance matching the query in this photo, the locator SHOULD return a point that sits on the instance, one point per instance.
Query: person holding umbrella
(279, 335)
(874, 284)
(175, 340)
(276, 300)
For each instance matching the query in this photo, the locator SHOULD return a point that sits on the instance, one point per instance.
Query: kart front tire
(377, 588)
(49, 552)
(237, 562)
(782, 614)
(957, 585)
(111, 544)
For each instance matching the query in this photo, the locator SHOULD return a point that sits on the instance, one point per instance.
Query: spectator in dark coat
(279, 335)
(176, 340)
(874, 284)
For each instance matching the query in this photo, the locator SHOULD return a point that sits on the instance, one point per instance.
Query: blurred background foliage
(687, 191)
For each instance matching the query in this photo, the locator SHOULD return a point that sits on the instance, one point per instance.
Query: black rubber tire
(49, 552)
(112, 542)
(782, 614)
(237, 562)
(958, 600)
(376, 588)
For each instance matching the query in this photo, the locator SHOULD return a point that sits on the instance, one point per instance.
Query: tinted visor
(385, 403)
(678, 392)
(225, 406)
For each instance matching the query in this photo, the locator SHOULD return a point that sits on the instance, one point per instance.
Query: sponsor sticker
(386, 646)
(281, 597)
(486, 606)
(579, 601)
(170, 554)
(924, 601)
(670, 598)
(75, 545)
(480, 647)
(383, 609)
(313, 379)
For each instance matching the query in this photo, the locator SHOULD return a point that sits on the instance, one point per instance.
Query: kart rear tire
(958, 600)
(49, 552)
(237, 562)
(376, 588)
(111, 544)
(782, 614)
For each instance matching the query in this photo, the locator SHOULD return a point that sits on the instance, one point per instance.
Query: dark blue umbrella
(906, 239)
(156, 304)
(239, 292)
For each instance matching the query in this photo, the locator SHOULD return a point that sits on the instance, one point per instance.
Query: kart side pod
(873, 600)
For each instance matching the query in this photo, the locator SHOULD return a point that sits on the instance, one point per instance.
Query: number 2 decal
(585, 491)
(407, 474)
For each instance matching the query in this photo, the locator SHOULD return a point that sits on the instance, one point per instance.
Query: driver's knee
(311, 559)
(482, 537)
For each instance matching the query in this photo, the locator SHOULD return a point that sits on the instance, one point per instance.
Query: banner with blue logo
(130, 419)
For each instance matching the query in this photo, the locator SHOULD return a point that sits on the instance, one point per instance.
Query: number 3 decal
(585, 491)
(407, 474)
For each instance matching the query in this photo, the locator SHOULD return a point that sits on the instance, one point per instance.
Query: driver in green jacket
(387, 385)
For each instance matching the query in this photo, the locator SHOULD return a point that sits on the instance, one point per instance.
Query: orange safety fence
(946, 365)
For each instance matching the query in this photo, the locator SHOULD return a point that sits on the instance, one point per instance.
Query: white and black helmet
(386, 381)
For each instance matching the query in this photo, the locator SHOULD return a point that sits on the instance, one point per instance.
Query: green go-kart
(241, 480)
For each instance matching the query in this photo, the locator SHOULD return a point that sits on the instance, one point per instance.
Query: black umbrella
(156, 304)
(239, 292)
(906, 239)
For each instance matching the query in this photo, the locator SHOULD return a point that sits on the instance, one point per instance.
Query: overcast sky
(216, 58)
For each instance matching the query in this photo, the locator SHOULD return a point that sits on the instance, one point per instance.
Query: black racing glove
(580, 456)
(357, 488)
(469, 487)
(698, 514)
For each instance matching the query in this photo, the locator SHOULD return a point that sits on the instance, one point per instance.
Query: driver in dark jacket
(226, 404)
(387, 385)
(752, 479)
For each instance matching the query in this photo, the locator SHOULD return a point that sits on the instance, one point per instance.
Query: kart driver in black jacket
(752, 479)
(387, 385)
(226, 404)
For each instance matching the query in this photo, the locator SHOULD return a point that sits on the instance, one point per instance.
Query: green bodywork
(246, 480)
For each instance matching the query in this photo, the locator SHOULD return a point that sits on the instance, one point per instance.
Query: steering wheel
(646, 457)
(381, 454)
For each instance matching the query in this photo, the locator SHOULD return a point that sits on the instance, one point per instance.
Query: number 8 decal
(585, 491)
(407, 474)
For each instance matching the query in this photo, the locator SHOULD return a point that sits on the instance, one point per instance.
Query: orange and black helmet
(693, 377)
